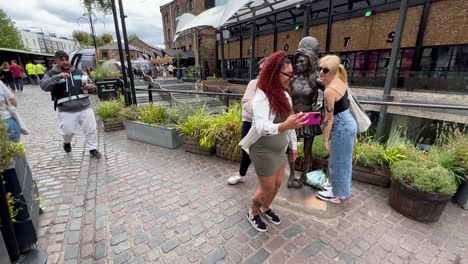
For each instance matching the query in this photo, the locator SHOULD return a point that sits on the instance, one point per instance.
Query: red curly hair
(269, 82)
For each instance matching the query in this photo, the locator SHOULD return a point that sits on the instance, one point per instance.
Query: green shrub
(108, 110)
(424, 176)
(9, 150)
(195, 126)
(153, 115)
(368, 152)
(130, 113)
(318, 152)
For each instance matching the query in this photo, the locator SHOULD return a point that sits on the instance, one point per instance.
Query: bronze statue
(307, 96)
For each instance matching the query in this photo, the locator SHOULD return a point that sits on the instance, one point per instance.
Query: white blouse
(262, 123)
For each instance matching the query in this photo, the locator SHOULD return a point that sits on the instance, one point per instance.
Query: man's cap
(61, 54)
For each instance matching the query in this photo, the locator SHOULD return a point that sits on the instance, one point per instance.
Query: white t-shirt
(5, 94)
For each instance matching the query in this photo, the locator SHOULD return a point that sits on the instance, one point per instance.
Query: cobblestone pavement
(146, 204)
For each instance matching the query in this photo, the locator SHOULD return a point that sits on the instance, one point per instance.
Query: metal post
(275, 35)
(127, 51)
(121, 56)
(329, 26)
(92, 31)
(391, 67)
(223, 67)
(305, 30)
(150, 95)
(420, 37)
(252, 46)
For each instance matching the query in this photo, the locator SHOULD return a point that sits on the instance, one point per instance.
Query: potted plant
(193, 128)
(421, 189)
(109, 113)
(225, 129)
(151, 124)
(107, 82)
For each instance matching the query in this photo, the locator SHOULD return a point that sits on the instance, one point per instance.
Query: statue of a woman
(307, 96)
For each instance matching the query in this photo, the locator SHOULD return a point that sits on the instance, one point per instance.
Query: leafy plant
(11, 206)
(368, 152)
(9, 150)
(153, 115)
(101, 73)
(424, 176)
(318, 152)
(225, 129)
(195, 126)
(130, 113)
(110, 109)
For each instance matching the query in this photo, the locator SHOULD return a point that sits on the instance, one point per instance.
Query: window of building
(41, 43)
(177, 11)
(27, 42)
(459, 61)
(191, 4)
(60, 46)
(190, 47)
(209, 4)
(54, 45)
(34, 43)
(382, 63)
(48, 43)
(169, 36)
(166, 17)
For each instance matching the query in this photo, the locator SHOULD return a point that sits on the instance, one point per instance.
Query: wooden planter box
(417, 205)
(222, 152)
(193, 147)
(374, 176)
(155, 135)
(112, 125)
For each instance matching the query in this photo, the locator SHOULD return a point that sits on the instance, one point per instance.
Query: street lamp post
(88, 18)
(43, 38)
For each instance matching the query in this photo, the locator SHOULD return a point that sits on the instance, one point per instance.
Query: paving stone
(215, 256)
(119, 248)
(168, 246)
(141, 238)
(119, 238)
(122, 258)
(293, 231)
(348, 258)
(261, 256)
(73, 237)
(313, 249)
(118, 230)
(196, 230)
(71, 252)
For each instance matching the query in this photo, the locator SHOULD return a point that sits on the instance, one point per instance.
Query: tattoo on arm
(324, 124)
(259, 204)
(328, 108)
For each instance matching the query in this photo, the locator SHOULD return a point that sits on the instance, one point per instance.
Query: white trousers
(71, 121)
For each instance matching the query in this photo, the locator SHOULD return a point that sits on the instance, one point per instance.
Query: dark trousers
(245, 159)
(18, 83)
(10, 84)
(40, 76)
(32, 79)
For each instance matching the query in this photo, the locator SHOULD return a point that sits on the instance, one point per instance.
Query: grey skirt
(268, 154)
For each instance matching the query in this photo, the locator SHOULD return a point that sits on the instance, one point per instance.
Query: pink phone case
(313, 118)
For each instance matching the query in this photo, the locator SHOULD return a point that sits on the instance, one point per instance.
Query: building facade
(40, 42)
(188, 41)
(111, 52)
(434, 47)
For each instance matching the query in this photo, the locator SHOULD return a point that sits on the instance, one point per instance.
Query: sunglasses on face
(289, 75)
(325, 70)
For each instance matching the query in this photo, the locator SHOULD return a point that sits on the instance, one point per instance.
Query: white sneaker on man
(235, 179)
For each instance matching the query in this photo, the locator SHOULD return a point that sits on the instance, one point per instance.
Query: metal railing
(239, 96)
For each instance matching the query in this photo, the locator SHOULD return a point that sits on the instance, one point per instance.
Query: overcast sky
(60, 17)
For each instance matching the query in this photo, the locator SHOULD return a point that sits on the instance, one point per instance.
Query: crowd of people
(14, 75)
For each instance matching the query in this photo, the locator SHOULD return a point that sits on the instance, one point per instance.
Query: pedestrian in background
(32, 74)
(40, 71)
(246, 125)
(6, 76)
(272, 132)
(6, 98)
(340, 126)
(17, 73)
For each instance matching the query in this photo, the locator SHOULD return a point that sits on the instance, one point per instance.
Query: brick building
(434, 52)
(188, 41)
(111, 51)
(149, 51)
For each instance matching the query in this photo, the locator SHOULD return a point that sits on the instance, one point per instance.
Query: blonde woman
(339, 126)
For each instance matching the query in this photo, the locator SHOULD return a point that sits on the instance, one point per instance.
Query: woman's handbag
(14, 113)
(362, 119)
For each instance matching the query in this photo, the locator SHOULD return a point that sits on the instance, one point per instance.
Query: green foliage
(99, 5)
(11, 206)
(130, 113)
(101, 73)
(106, 38)
(132, 37)
(195, 125)
(425, 176)
(368, 152)
(318, 152)
(9, 150)
(9, 36)
(110, 109)
(153, 115)
(82, 37)
(225, 129)
(193, 71)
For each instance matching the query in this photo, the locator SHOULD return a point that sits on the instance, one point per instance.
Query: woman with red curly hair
(273, 125)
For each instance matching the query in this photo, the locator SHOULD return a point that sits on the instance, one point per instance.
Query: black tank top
(342, 104)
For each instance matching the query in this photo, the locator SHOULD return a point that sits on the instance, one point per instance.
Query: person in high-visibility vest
(40, 71)
(31, 71)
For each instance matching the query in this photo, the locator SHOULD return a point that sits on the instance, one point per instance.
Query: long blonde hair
(334, 63)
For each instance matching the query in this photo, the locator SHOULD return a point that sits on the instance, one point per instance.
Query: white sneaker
(235, 179)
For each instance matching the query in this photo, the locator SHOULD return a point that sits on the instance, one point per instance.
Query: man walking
(68, 93)
(40, 71)
(31, 71)
(246, 125)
